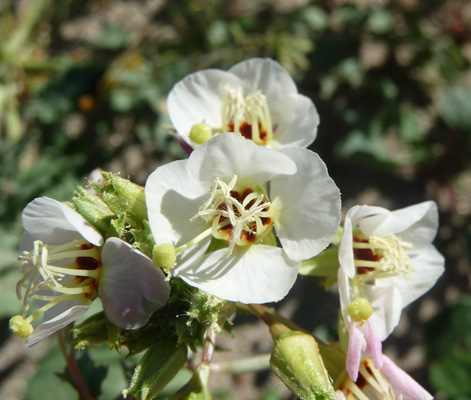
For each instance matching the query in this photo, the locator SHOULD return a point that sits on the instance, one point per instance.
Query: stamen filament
(93, 252)
(52, 303)
(194, 241)
(94, 273)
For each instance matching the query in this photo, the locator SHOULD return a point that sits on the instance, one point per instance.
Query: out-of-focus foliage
(83, 85)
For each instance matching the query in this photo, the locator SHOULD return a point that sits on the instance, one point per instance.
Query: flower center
(250, 116)
(70, 271)
(381, 257)
(373, 379)
(238, 215)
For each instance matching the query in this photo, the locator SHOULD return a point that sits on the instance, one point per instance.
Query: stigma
(238, 215)
(381, 257)
(53, 274)
(249, 116)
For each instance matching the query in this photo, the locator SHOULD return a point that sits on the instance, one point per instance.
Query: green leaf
(156, 369)
(324, 265)
(112, 38)
(45, 384)
(92, 375)
(452, 375)
(455, 108)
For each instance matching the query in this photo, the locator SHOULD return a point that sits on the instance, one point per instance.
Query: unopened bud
(164, 256)
(124, 198)
(296, 360)
(19, 326)
(360, 309)
(200, 133)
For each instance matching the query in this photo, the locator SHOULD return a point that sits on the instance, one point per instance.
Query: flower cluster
(234, 222)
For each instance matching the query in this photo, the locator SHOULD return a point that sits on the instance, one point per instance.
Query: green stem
(74, 369)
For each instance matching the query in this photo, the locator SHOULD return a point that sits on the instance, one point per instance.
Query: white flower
(64, 270)
(387, 260)
(256, 98)
(386, 383)
(230, 193)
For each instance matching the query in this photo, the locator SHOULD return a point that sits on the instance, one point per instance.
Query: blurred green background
(83, 85)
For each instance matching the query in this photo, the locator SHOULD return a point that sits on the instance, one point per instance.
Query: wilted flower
(65, 269)
(386, 383)
(256, 98)
(387, 261)
(219, 208)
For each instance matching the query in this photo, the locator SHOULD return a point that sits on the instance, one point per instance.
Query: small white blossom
(66, 266)
(256, 98)
(219, 208)
(387, 259)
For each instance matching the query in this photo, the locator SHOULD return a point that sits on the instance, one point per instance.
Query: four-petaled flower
(256, 98)
(66, 266)
(387, 259)
(219, 209)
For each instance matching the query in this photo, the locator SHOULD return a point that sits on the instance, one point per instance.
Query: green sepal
(197, 387)
(93, 209)
(143, 238)
(123, 197)
(156, 369)
(91, 331)
(117, 227)
(296, 360)
(324, 265)
(334, 359)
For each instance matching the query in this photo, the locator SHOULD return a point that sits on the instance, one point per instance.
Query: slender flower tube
(66, 266)
(219, 208)
(387, 260)
(386, 383)
(256, 98)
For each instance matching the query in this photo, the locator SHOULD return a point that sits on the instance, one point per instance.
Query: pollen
(238, 215)
(69, 271)
(249, 116)
(381, 257)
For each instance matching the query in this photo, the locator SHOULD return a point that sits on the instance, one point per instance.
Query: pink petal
(356, 345)
(402, 383)
(374, 343)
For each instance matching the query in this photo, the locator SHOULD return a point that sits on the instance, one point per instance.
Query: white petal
(172, 199)
(309, 206)
(52, 222)
(130, 287)
(298, 129)
(346, 295)
(419, 220)
(230, 154)
(57, 318)
(255, 274)
(387, 307)
(429, 266)
(353, 217)
(272, 80)
(198, 98)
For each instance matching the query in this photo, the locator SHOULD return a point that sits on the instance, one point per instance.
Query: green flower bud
(197, 387)
(360, 309)
(200, 133)
(93, 209)
(124, 197)
(19, 326)
(295, 359)
(164, 256)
